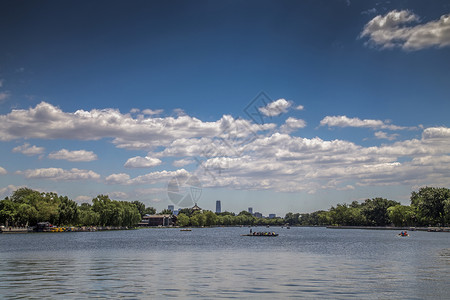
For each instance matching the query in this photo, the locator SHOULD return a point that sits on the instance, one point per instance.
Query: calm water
(219, 263)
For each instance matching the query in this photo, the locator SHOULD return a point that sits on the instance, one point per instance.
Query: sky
(283, 106)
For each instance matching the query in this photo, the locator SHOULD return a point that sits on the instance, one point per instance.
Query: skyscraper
(250, 210)
(218, 207)
(171, 207)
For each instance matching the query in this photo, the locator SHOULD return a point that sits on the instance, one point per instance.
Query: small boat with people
(261, 234)
(403, 234)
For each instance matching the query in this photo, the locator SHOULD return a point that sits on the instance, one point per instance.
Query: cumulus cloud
(8, 190)
(142, 162)
(76, 155)
(285, 163)
(120, 178)
(182, 162)
(151, 112)
(292, 124)
(275, 108)
(386, 136)
(29, 150)
(344, 121)
(3, 171)
(46, 121)
(400, 29)
(150, 178)
(436, 133)
(300, 107)
(59, 174)
(239, 154)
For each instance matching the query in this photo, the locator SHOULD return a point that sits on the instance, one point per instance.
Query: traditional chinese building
(157, 220)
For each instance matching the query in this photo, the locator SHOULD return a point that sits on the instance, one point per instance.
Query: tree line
(188, 217)
(27, 207)
(430, 206)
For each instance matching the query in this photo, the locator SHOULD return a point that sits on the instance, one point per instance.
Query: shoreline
(428, 229)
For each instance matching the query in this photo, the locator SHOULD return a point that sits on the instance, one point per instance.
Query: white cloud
(275, 108)
(344, 121)
(386, 136)
(182, 162)
(241, 154)
(292, 124)
(120, 178)
(300, 107)
(59, 174)
(396, 29)
(7, 191)
(76, 155)
(436, 133)
(152, 112)
(3, 171)
(142, 162)
(150, 178)
(118, 195)
(29, 150)
(149, 191)
(369, 11)
(46, 121)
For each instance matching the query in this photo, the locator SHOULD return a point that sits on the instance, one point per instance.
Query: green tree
(140, 206)
(430, 203)
(182, 220)
(210, 218)
(198, 219)
(401, 215)
(186, 211)
(376, 211)
(150, 211)
(166, 212)
(67, 211)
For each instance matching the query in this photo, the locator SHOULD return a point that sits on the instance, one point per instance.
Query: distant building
(258, 214)
(272, 216)
(250, 210)
(196, 208)
(171, 208)
(218, 207)
(175, 212)
(156, 220)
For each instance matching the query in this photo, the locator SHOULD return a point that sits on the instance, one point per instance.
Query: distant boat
(260, 234)
(187, 229)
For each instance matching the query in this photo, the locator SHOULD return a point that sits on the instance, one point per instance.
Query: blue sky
(118, 97)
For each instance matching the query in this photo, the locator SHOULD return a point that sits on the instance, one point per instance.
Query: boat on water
(261, 234)
(187, 229)
(403, 234)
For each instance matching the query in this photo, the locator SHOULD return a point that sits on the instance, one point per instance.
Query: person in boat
(251, 231)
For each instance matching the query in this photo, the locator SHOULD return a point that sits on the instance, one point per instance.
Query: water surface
(219, 263)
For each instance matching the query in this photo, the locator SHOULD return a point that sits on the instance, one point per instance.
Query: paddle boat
(261, 234)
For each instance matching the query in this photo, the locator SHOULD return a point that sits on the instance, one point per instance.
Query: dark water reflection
(219, 263)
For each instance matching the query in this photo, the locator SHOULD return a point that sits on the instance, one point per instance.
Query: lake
(220, 263)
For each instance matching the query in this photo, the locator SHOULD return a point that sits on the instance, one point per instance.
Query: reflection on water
(219, 263)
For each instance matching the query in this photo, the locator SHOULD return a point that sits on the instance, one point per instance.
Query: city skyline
(283, 106)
